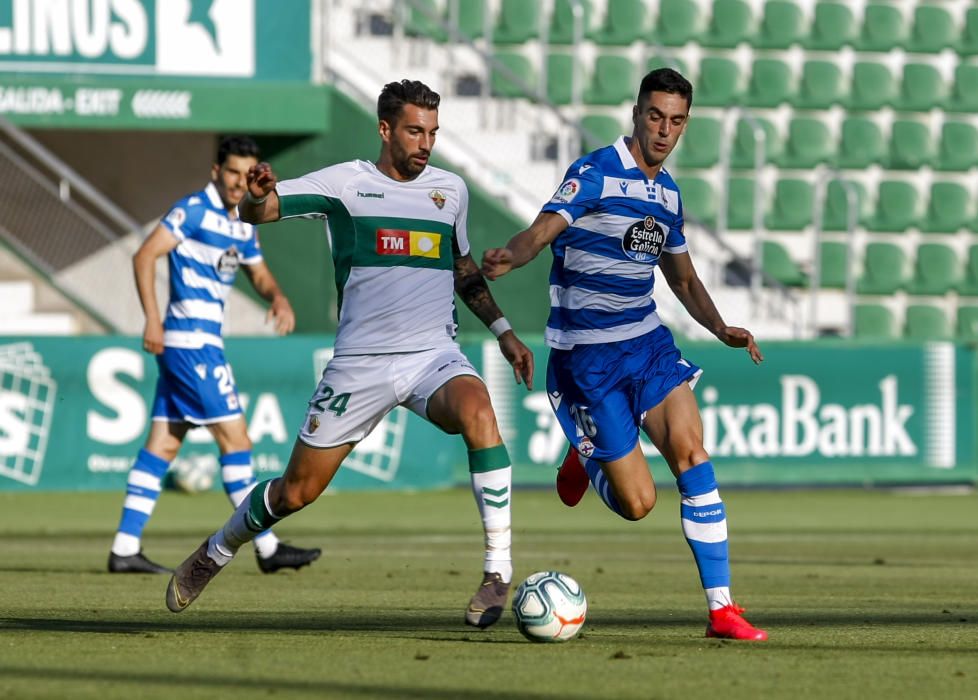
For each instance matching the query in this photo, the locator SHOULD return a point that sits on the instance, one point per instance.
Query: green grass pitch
(866, 594)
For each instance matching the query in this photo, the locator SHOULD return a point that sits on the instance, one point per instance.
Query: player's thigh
(165, 438)
(676, 429)
(231, 435)
(309, 472)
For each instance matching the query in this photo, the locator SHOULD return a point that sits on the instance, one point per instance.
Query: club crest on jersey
(567, 191)
(438, 198)
(643, 240)
(585, 447)
(228, 263)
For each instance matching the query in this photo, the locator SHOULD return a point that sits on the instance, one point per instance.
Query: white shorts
(357, 391)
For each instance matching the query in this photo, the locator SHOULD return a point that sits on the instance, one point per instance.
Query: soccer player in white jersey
(400, 247)
(613, 366)
(205, 243)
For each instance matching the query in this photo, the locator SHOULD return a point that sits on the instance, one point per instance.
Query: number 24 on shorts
(337, 402)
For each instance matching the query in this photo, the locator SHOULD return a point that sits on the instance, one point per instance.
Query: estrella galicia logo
(228, 263)
(643, 241)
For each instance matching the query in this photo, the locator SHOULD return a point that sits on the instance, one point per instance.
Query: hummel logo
(581, 170)
(623, 186)
(372, 195)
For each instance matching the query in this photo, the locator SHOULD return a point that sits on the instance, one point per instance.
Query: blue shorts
(600, 392)
(195, 386)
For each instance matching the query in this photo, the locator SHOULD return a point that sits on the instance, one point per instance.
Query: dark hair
(395, 95)
(244, 146)
(666, 80)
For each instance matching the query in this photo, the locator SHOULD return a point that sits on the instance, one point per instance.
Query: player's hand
(741, 338)
(261, 180)
(519, 356)
(496, 262)
(153, 338)
(281, 313)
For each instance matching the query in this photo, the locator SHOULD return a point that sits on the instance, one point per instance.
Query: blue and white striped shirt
(603, 270)
(203, 267)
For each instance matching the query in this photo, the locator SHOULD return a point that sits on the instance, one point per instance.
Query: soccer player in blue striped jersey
(205, 243)
(613, 366)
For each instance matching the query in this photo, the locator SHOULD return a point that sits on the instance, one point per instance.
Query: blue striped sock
(238, 477)
(142, 491)
(704, 521)
(600, 483)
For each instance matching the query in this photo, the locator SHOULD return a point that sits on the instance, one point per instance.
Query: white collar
(213, 196)
(624, 155)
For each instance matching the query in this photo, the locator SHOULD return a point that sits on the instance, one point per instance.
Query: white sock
(493, 494)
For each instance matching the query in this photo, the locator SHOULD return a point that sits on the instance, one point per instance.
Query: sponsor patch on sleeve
(566, 192)
(176, 217)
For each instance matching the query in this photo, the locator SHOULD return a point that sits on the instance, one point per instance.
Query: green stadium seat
(933, 30)
(832, 27)
(969, 283)
(731, 23)
(612, 82)
(821, 86)
(834, 257)
(742, 155)
(678, 22)
(781, 26)
(560, 78)
(699, 146)
(562, 22)
(896, 207)
(966, 325)
(883, 29)
(872, 322)
(884, 269)
(740, 204)
(958, 150)
(625, 22)
(718, 84)
(872, 87)
(922, 89)
(699, 200)
(664, 61)
(910, 145)
(472, 18)
(517, 22)
(809, 143)
(421, 21)
(964, 94)
(776, 262)
(926, 322)
(503, 84)
(771, 83)
(792, 206)
(600, 131)
(835, 210)
(936, 270)
(949, 208)
(861, 144)
(967, 44)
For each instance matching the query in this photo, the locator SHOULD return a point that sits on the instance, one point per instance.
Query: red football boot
(728, 623)
(572, 479)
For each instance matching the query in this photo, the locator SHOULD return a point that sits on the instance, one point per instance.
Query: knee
(478, 425)
(294, 496)
(638, 506)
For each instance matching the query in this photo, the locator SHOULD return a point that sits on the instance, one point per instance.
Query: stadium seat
(967, 43)
(699, 200)
(731, 23)
(699, 146)
(562, 22)
(560, 78)
(612, 82)
(969, 282)
(771, 83)
(422, 21)
(832, 273)
(740, 204)
(883, 29)
(600, 130)
(926, 322)
(935, 271)
(742, 155)
(949, 209)
(663, 61)
(872, 87)
(832, 27)
(922, 89)
(718, 84)
(958, 150)
(861, 144)
(503, 84)
(933, 30)
(792, 206)
(678, 22)
(821, 86)
(776, 262)
(964, 94)
(835, 211)
(884, 269)
(809, 143)
(872, 322)
(781, 26)
(896, 207)
(966, 325)
(625, 22)
(471, 18)
(910, 145)
(517, 22)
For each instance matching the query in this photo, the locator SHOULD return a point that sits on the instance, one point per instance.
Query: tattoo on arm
(471, 287)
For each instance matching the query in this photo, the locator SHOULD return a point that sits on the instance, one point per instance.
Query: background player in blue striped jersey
(613, 365)
(205, 242)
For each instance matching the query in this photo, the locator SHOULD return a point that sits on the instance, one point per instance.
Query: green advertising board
(74, 412)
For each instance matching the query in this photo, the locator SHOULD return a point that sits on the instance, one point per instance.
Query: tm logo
(26, 405)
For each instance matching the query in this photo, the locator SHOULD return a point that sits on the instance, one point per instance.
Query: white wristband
(500, 326)
(253, 199)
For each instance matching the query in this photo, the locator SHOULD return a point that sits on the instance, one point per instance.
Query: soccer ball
(194, 474)
(549, 607)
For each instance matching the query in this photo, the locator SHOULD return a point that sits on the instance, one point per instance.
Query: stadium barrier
(74, 412)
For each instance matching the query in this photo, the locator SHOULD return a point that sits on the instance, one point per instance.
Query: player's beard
(403, 162)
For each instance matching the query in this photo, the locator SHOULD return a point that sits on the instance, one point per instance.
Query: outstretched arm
(260, 205)
(688, 288)
(524, 246)
(157, 244)
(279, 310)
